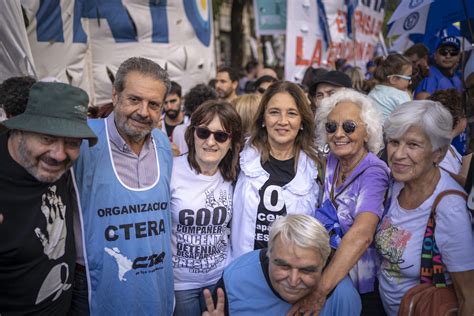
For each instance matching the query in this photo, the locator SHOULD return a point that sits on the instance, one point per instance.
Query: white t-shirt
(452, 161)
(178, 137)
(201, 209)
(400, 236)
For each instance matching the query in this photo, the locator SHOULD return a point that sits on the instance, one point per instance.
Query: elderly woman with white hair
(354, 189)
(418, 134)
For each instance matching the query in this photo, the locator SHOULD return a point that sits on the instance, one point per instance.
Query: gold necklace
(345, 175)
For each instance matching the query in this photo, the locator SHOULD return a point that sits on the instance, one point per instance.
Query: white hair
(369, 114)
(432, 117)
(302, 231)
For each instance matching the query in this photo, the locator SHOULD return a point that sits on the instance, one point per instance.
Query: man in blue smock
(269, 281)
(123, 189)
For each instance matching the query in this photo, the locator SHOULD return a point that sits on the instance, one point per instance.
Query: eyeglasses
(348, 127)
(408, 78)
(219, 136)
(445, 52)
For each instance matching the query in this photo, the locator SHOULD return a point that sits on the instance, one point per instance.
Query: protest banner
(306, 41)
(84, 42)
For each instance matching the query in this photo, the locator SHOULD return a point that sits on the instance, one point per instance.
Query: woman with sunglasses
(279, 167)
(201, 202)
(418, 134)
(354, 189)
(393, 77)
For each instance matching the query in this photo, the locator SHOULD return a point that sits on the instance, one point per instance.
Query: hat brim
(51, 126)
(312, 89)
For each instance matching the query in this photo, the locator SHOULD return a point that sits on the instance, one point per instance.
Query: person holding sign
(279, 167)
(201, 203)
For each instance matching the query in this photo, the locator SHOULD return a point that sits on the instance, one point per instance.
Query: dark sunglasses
(261, 90)
(219, 136)
(445, 52)
(348, 127)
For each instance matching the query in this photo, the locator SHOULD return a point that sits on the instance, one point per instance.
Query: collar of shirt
(118, 141)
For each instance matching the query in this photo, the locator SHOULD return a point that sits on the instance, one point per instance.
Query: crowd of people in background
(246, 195)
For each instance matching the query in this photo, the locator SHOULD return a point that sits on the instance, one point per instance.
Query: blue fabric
(248, 292)
(460, 142)
(327, 215)
(437, 81)
(388, 98)
(126, 233)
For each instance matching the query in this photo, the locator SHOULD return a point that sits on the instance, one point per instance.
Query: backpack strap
(431, 268)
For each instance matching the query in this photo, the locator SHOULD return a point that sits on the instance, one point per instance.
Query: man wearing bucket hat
(124, 194)
(38, 147)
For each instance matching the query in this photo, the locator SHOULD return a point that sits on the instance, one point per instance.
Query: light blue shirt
(388, 98)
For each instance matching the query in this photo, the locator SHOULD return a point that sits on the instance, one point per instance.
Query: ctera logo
(411, 21)
(148, 261)
(415, 3)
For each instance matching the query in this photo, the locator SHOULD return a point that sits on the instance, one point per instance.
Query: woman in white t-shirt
(279, 167)
(201, 203)
(418, 134)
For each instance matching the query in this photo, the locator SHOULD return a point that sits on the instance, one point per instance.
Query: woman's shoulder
(374, 165)
(180, 164)
(449, 202)
(446, 182)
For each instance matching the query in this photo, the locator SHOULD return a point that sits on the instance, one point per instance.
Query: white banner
(305, 44)
(15, 54)
(84, 42)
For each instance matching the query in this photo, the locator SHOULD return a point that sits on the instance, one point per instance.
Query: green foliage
(390, 6)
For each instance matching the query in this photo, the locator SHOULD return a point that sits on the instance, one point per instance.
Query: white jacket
(300, 196)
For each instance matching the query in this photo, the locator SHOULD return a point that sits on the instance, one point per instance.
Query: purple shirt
(134, 171)
(365, 194)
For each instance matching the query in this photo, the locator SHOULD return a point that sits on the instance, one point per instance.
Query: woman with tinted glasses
(201, 202)
(418, 134)
(354, 190)
(393, 76)
(279, 167)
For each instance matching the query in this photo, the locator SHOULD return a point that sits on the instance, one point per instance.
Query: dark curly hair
(196, 96)
(452, 101)
(14, 94)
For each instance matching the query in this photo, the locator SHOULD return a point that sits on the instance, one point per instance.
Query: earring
(301, 128)
(263, 124)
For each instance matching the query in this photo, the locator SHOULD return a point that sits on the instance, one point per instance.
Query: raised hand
(217, 310)
(309, 305)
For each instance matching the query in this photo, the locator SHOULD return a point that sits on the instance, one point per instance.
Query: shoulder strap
(321, 165)
(432, 270)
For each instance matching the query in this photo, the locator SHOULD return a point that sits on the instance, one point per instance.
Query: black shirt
(272, 205)
(37, 253)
